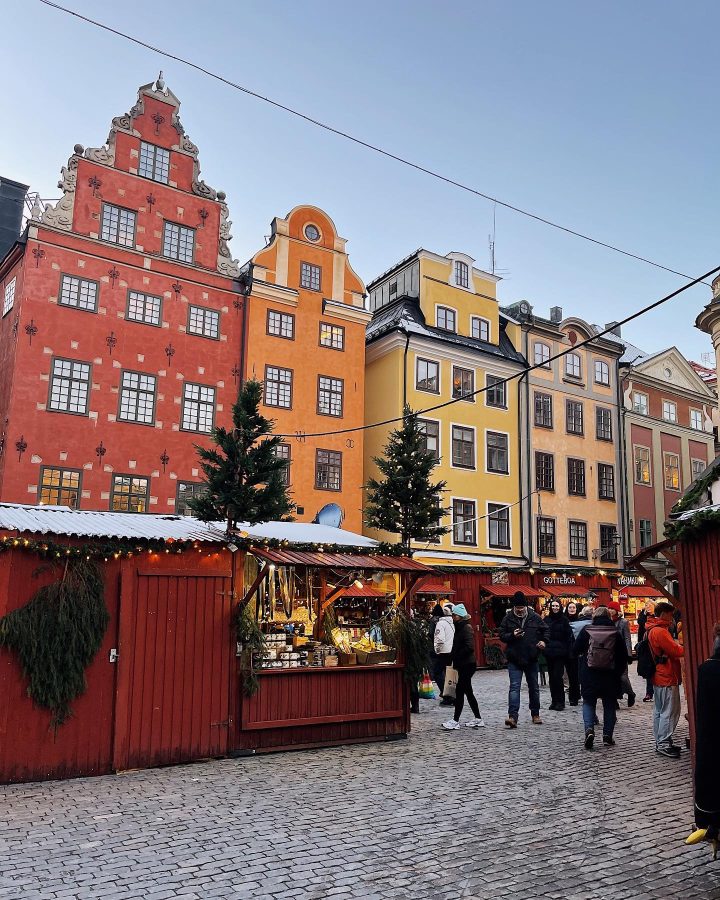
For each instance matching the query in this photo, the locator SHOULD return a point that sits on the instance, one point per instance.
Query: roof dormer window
(154, 162)
(445, 318)
(462, 276)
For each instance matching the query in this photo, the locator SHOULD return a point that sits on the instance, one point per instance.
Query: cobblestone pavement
(485, 813)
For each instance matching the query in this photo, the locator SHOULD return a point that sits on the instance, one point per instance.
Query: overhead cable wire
(519, 374)
(388, 154)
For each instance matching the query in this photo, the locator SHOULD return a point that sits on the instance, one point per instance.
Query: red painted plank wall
(29, 748)
(699, 578)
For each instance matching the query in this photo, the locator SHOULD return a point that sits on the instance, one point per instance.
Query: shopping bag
(451, 677)
(425, 687)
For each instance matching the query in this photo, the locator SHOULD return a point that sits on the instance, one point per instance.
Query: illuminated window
(59, 487)
(671, 467)
(463, 384)
(642, 465)
(332, 336)
(130, 493)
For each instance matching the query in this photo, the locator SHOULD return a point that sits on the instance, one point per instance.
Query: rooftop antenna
(491, 242)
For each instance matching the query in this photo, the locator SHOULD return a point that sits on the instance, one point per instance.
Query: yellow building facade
(437, 334)
(573, 474)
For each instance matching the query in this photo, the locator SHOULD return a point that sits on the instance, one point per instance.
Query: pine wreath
(57, 634)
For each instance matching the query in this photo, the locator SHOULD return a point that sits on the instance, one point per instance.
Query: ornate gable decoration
(61, 215)
(671, 368)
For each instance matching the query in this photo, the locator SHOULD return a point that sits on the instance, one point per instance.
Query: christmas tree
(405, 501)
(244, 476)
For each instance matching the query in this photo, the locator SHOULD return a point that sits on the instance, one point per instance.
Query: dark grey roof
(405, 314)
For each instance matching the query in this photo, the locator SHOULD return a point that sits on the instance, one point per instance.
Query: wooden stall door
(175, 649)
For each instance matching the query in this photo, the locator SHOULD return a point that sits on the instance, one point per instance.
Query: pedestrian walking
(524, 633)
(463, 659)
(622, 625)
(646, 613)
(442, 649)
(572, 613)
(667, 653)
(557, 652)
(600, 649)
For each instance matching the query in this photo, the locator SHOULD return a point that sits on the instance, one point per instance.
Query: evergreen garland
(244, 476)
(405, 501)
(252, 640)
(694, 526)
(409, 636)
(56, 636)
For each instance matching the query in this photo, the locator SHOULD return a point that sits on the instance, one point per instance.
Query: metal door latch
(114, 655)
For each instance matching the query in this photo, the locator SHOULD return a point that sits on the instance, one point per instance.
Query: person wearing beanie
(443, 632)
(525, 635)
(463, 659)
(600, 649)
(621, 623)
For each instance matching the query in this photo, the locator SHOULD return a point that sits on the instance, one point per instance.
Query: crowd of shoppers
(591, 648)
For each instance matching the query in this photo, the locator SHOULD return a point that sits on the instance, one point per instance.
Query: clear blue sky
(603, 117)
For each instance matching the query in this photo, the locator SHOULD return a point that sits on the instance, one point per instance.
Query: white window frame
(474, 502)
(649, 482)
(450, 309)
(427, 359)
(423, 420)
(480, 321)
(666, 454)
(645, 404)
(9, 297)
(701, 468)
(507, 506)
(472, 428)
(667, 407)
(543, 361)
(699, 414)
(466, 398)
(604, 368)
(568, 358)
(485, 448)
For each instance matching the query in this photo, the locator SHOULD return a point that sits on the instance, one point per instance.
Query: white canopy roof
(60, 520)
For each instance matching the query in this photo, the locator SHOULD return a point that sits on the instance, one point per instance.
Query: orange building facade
(306, 322)
(121, 326)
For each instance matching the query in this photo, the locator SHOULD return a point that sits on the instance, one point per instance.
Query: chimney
(556, 314)
(12, 201)
(614, 328)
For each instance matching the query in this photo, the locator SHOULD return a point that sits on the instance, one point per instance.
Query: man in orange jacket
(666, 680)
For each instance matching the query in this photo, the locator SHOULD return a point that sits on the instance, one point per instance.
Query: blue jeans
(609, 713)
(531, 677)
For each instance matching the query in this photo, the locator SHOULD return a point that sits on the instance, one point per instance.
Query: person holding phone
(525, 636)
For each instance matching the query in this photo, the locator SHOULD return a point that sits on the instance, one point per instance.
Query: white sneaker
(475, 723)
(450, 725)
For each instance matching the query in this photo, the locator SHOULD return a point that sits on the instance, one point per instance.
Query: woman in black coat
(557, 652)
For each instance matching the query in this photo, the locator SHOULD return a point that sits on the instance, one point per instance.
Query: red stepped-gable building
(122, 323)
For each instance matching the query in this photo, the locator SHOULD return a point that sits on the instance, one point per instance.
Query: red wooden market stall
(166, 685)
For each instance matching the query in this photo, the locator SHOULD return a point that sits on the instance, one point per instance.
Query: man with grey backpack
(602, 656)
